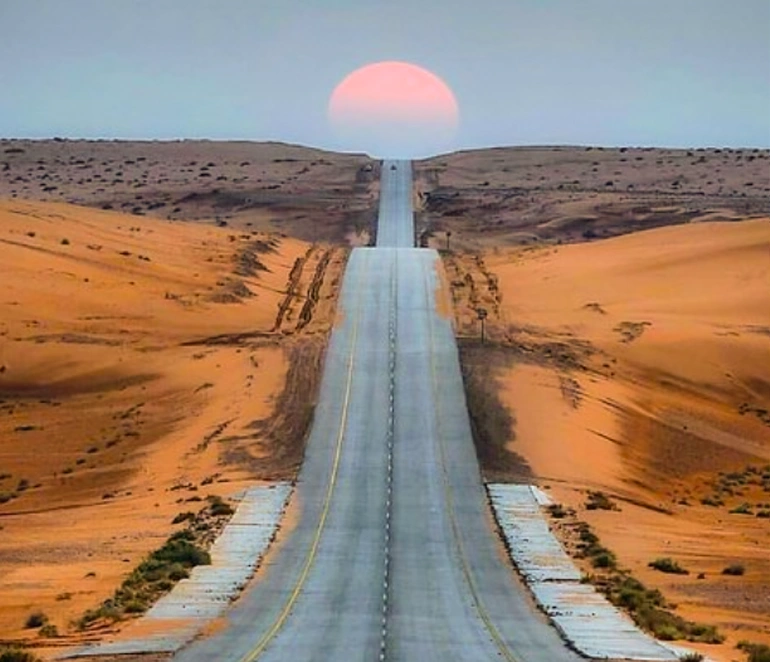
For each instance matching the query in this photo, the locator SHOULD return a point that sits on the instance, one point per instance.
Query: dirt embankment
(532, 195)
(144, 365)
(309, 194)
(636, 366)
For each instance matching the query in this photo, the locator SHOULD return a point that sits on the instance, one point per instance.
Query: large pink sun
(394, 109)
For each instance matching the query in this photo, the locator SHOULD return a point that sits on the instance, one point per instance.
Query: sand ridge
(143, 366)
(637, 365)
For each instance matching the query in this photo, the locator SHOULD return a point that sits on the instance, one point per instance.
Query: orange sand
(113, 420)
(678, 320)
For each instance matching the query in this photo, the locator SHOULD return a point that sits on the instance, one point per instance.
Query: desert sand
(637, 366)
(527, 195)
(147, 361)
(307, 193)
(144, 364)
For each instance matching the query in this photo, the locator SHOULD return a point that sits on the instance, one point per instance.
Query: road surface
(394, 556)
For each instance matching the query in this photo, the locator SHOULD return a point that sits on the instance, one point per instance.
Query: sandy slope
(141, 362)
(638, 365)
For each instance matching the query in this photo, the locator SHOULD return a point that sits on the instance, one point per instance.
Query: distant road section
(395, 225)
(394, 556)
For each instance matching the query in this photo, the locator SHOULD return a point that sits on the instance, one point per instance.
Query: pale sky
(604, 72)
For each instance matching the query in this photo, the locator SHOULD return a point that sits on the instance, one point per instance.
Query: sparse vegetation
(647, 607)
(691, 657)
(183, 517)
(756, 652)
(167, 565)
(668, 565)
(557, 511)
(650, 611)
(15, 654)
(35, 620)
(734, 570)
(600, 501)
(49, 631)
(153, 577)
(220, 507)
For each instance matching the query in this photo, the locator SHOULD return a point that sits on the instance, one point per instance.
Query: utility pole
(448, 234)
(482, 313)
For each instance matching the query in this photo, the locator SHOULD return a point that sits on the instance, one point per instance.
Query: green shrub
(743, 509)
(604, 560)
(135, 607)
(691, 657)
(557, 511)
(153, 577)
(756, 652)
(219, 507)
(183, 517)
(14, 654)
(600, 501)
(49, 631)
(649, 611)
(667, 565)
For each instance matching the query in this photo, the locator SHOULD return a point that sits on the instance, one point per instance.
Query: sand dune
(141, 362)
(638, 366)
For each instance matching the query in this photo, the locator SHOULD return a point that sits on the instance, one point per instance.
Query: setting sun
(394, 109)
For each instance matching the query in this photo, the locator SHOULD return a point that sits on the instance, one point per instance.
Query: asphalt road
(394, 556)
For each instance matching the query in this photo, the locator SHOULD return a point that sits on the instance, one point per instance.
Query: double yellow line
(279, 622)
(449, 492)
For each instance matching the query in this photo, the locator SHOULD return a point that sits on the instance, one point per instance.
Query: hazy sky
(609, 72)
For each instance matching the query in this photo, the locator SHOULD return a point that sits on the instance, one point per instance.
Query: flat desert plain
(528, 195)
(308, 193)
(145, 366)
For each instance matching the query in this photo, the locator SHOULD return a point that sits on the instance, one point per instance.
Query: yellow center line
(273, 631)
(482, 611)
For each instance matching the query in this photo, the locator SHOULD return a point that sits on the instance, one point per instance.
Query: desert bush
(735, 570)
(219, 507)
(153, 577)
(756, 652)
(15, 654)
(557, 511)
(668, 565)
(35, 620)
(49, 630)
(605, 559)
(599, 501)
(743, 509)
(183, 517)
(692, 657)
